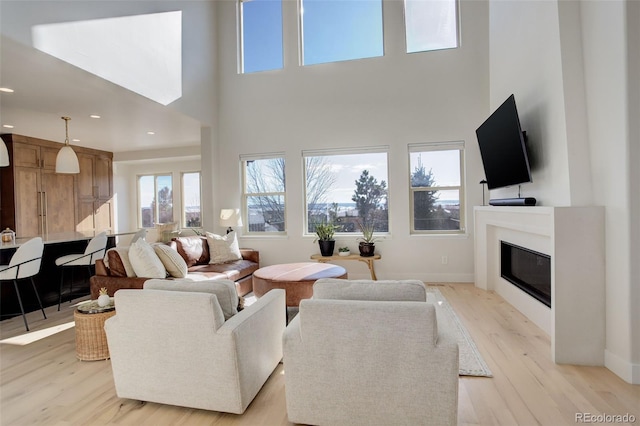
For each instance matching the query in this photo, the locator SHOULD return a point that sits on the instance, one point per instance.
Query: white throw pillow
(172, 261)
(223, 248)
(145, 262)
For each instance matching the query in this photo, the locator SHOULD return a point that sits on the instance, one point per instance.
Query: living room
(575, 98)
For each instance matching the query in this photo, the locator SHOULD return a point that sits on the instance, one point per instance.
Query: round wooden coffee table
(295, 278)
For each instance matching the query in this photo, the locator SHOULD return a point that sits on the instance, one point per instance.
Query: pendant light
(67, 160)
(4, 154)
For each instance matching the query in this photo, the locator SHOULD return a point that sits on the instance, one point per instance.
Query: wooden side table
(368, 260)
(91, 340)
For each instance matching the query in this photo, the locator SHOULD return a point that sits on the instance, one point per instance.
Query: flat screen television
(502, 147)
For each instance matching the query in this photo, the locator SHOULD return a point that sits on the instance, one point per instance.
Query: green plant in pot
(324, 237)
(367, 244)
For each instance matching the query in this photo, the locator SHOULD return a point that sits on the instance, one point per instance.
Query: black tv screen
(502, 147)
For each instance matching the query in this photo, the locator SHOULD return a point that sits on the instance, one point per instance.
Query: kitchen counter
(63, 237)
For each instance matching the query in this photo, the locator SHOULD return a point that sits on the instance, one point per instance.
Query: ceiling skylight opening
(141, 53)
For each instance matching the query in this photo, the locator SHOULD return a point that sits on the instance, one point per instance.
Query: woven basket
(91, 340)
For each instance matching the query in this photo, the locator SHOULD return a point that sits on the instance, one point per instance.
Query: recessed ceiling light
(6, 89)
(75, 140)
(8, 126)
(94, 116)
(151, 133)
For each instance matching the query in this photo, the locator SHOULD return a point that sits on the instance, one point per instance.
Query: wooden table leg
(369, 263)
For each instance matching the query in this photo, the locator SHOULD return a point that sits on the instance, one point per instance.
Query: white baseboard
(627, 371)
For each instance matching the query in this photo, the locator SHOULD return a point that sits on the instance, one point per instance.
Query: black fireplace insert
(528, 270)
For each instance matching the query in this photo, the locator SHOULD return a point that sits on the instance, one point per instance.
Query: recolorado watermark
(605, 418)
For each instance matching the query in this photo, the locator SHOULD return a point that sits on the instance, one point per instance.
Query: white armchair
(175, 347)
(369, 353)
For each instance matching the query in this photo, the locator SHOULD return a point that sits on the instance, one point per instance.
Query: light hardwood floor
(43, 383)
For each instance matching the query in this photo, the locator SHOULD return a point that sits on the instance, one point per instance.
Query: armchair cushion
(224, 290)
(389, 290)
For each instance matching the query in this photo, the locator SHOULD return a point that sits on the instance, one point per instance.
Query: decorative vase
(326, 247)
(366, 249)
(104, 300)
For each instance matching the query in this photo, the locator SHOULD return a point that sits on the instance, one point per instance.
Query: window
(260, 35)
(430, 25)
(191, 211)
(264, 194)
(436, 176)
(155, 199)
(346, 187)
(340, 30)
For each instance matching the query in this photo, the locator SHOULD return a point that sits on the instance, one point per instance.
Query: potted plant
(324, 237)
(344, 251)
(367, 244)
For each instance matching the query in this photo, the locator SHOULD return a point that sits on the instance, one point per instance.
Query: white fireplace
(574, 239)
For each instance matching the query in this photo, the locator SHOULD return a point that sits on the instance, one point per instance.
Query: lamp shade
(4, 154)
(230, 217)
(67, 161)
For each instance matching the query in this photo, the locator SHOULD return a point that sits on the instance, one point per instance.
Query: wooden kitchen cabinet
(36, 200)
(95, 192)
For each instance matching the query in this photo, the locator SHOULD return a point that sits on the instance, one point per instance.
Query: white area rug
(471, 362)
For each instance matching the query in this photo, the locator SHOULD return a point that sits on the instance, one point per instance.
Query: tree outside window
(436, 188)
(346, 189)
(264, 194)
(155, 197)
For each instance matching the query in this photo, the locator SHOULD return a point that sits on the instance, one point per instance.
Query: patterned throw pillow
(172, 261)
(223, 248)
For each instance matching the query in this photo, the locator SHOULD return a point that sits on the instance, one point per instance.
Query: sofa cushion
(224, 290)
(145, 262)
(117, 260)
(172, 261)
(223, 248)
(193, 249)
(232, 270)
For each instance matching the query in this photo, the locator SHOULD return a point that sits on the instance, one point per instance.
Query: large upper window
(260, 35)
(155, 199)
(430, 25)
(346, 187)
(191, 210)
(264, 194)
(436, 184)
(339, 30)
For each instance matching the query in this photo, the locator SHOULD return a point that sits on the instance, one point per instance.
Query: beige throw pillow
(223, 248)
(172, 261)
(145, 262)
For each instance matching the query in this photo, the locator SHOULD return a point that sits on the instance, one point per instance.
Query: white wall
(393, 100)
(572, 85)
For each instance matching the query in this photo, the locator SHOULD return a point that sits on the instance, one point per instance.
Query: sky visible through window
(333, 30)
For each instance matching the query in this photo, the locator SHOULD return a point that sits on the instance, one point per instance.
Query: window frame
(183, 207)
(155, 192)
(406, 29)
(245, 195)
(382, 149)
(301, 41)
(430, 147)
(240, 38)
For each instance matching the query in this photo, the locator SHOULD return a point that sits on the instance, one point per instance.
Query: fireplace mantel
(574, 238)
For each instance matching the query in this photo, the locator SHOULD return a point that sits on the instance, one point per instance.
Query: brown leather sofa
(195, 251)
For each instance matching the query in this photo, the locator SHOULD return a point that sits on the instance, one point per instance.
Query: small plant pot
(327, 247)
(367, 249)
(344, 253)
